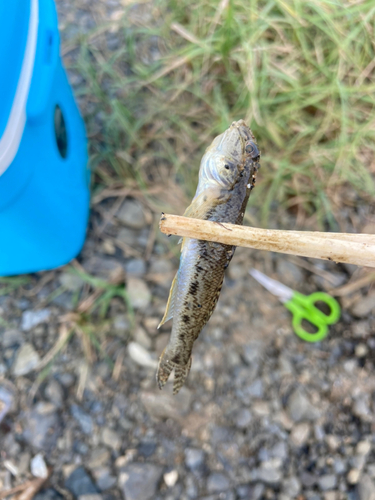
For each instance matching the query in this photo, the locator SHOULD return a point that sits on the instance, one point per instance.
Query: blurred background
(263, 414)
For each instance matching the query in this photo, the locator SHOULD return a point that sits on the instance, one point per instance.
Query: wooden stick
(358, 249)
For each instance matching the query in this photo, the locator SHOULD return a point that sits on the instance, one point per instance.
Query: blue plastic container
(44, 180)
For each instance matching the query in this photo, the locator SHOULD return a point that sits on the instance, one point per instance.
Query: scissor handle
(303, 308)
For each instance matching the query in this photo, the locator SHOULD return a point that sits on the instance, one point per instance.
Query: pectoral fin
(170, 304)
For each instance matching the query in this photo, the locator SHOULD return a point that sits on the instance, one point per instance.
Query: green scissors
(303, 307)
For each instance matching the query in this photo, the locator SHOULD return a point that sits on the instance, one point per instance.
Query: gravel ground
(263, 414)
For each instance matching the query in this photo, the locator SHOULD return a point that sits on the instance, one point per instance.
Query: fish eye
(226, 167)
(252, 149)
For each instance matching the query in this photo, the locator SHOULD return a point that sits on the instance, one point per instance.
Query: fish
(227, 175)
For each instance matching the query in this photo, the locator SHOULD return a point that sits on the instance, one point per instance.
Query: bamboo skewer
(358, 249)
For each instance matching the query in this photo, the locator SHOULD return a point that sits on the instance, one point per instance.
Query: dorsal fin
(170, 304)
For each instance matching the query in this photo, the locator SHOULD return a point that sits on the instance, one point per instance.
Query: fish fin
(180, 240)
(180, 375)
(165, 368)
(170, 304)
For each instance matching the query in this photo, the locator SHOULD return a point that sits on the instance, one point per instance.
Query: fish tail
(165, 368)
(180, 375)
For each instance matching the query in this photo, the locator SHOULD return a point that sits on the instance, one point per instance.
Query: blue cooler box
(44, 180)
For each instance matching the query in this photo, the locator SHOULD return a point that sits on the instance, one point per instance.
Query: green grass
(299, 72)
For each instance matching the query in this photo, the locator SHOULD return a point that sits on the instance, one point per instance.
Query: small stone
(243, 418)
(333, 442)
(42, 426)
(269, 474)
(139, 481)
(139, 293)
(54, 393)
(364, 306)
(366, 488)
(71, 282)
(171, 478)
(363, 448)
(90, 496)
(300, 434)
(27, 359)
(217, 482)
(353, 476)
(7, 400)
(30, 319)
(83, 418)
(300, 408)
(80, 483)
(38, 466)
(121, 323)
(48, 494)
(135, 267)
(361, 350)
(104, 479)
(361, 408)
(331, 495)
(141, 356)
(105, 268)
(339, 466)
(291, 486)
(111, 438)
(194, 458)
(261, 408)
(11, 338)
(141, 337)
(164, 405)
(99, 457)
(131, 214)
(327, 482)
(361, 329)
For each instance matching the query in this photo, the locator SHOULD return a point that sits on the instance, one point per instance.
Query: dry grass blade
(26, 491)
(353, 286)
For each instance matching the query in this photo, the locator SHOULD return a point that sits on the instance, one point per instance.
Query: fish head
(224, 159)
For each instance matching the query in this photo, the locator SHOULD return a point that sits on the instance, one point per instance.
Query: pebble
(171, 478)
(38, 466)
(327, 482)
(269, 474)
(80, 483)
(30, 319)
(42, 426)
(71, 282)
(165, 405)
(243, 418)
(54, 393)
(104, 478)
(216, 482)
(360, 329)
(135, 267)
(7, 400)
(139, 293)
(83, 418)
(363, 447)
(365, 306)
(139, 481)
(353, 476)
(11, 338)
(366, 488)
(141, 337)
(361, 350)
(291, 486)
(121, 323)
(27, 359)
(300, 434)
(131, 214)
(111, 438)
(48, 494)
(194, 458)
(300, 408)
(141, 356)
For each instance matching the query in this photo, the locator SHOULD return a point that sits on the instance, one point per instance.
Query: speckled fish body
(226, 177)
